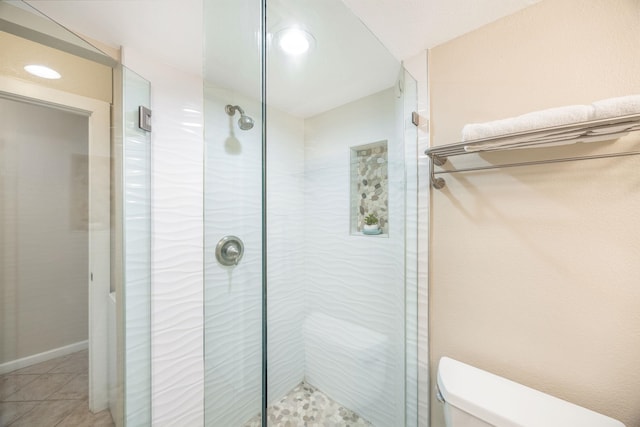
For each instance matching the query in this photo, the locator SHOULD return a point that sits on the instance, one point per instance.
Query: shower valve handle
(229, 250)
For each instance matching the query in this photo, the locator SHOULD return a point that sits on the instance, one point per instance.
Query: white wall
(43, 219)
(355, 279)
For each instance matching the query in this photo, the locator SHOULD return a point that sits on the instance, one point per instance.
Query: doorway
(54, 254)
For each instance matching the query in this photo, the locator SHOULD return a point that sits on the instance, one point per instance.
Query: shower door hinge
(415, 118)
(144, 118)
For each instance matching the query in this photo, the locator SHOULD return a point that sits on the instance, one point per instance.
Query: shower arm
(231, 110)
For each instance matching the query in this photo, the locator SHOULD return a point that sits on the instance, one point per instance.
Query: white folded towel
(536, 120)
(527, 142)
(615, 107)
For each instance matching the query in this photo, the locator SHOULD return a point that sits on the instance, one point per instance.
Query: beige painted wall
(535, 271)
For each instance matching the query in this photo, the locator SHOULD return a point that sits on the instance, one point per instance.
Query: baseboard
(42, 357)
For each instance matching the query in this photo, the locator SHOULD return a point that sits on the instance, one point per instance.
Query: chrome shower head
(244, 122)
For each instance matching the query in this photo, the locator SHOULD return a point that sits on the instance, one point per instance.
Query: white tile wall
(233, 316)
(355, 280)
(233, 352)
(285, 249)
(177, 248)
(331, 286)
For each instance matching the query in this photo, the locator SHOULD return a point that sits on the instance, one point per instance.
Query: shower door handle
(229, 250)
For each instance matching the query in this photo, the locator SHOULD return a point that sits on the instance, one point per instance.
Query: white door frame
(99, 274)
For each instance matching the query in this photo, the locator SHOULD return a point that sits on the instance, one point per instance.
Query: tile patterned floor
(306, 406)
(50, 394)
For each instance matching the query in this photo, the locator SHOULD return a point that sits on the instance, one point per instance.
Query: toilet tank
(474, 397)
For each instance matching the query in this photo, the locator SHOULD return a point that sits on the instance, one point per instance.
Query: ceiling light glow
(294, 41)
(42, 71)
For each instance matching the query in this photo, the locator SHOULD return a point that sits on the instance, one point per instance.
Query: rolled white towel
(535, 120)
(615, 107)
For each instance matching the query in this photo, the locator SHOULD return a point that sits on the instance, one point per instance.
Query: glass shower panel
(233, 213)
(341, 147)
(340, 344)
(410, 101)
(133, 251)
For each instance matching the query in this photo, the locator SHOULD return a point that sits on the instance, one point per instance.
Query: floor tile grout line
(48, 398)
(32, 409)
(67, 416)
(61, 387)
(23, 385)
(17, 419)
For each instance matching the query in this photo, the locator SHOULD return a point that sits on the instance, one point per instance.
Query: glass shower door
(337, 338)
(233, 214)
(341, 222)
(132, 253)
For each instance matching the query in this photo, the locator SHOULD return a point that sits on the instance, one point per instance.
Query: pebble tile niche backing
(369, 189)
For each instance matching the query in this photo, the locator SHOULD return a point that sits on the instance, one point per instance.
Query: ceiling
(347, 63)
(407, 27)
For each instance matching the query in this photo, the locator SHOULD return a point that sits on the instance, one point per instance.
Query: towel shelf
(594, 130)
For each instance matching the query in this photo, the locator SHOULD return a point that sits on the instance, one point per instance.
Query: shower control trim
(144, 118)
(229, 250)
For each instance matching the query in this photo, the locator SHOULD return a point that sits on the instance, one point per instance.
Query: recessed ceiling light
(42, 71)
(294, 41)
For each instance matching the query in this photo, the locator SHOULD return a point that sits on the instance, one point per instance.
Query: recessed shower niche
(369, 188)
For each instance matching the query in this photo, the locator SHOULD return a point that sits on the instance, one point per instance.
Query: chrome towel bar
(602, 129)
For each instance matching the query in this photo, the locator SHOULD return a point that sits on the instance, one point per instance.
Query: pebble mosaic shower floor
(306, 406)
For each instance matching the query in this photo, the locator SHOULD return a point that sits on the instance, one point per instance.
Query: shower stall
(309, 318)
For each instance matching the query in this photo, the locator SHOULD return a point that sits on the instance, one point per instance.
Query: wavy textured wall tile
(285, 245)
(354, 284)
(336, 302)
(233, 304)
(233, 295)
(177, 370)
